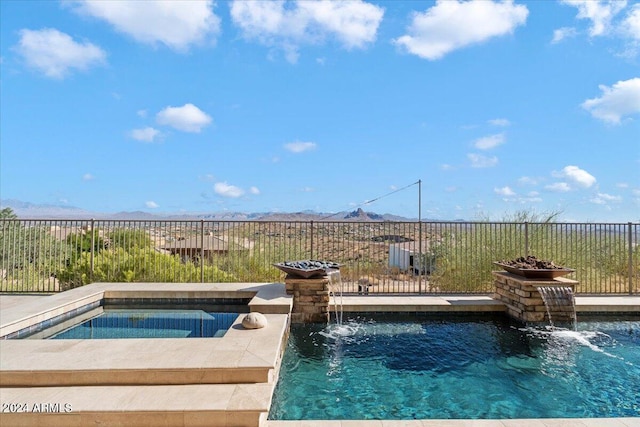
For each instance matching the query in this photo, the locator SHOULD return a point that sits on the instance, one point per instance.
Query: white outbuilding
(406, 257)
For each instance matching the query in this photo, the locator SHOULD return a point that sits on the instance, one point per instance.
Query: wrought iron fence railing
(51, 255)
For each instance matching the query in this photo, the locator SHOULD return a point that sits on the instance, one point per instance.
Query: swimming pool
(412, 367)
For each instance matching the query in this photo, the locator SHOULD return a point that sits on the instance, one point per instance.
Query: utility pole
(420, 266)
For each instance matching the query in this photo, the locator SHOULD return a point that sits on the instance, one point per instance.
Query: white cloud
(488, 142)
(599, 12)
(187, 118)
(563, 33)
(621, 99)
(500, 122)
(88, 177)
(504, 191)
(531, 197)
(631, 24)
(227, 190)
(56, 53)
(527, 180)
(289, 24)
(176, 24)
(606, 19)
(559, 187)
(300, 147)
(151, 204)
(254, 190)
(604, 198)
(453, 24)
(577, 176)
(480, 161)
(354, 23)
(147, 134)
(446, 167)
(141, 113)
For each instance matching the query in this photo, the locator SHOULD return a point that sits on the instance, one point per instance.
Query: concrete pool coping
(235, 398)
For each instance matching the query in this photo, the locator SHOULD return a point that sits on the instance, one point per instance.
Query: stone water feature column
(524, 301)
(310, 298)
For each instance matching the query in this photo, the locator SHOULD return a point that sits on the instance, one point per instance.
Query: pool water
(430, 368)
(150, 323)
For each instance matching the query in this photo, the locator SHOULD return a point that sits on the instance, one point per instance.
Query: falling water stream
(559, 299)
(336, 289)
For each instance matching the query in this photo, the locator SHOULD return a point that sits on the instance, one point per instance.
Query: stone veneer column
(310, 299)
(522, 298)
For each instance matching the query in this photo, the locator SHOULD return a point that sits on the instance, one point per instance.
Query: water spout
(560, 303)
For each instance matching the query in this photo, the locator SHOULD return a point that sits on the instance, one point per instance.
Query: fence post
(312, 240)
(202, 251)
(93, 245)
(526, 238)
(630, 242)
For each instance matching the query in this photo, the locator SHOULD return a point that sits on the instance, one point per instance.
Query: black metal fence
(376, 257)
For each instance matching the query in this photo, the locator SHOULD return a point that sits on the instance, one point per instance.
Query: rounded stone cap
(254, 320)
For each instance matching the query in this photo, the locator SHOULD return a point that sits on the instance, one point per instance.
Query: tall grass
(599, 254)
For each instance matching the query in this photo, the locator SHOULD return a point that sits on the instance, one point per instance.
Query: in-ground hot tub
(144, 381)
(144, 323)
(113, 318)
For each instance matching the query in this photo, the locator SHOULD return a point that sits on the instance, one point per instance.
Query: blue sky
(203, 106)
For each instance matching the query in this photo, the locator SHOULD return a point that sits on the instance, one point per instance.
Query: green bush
(136, 265)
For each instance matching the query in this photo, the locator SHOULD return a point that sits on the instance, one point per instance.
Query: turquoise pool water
(422, 368)
(150, 323)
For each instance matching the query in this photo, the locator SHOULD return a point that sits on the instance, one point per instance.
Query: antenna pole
(419, 200)
(419, 257)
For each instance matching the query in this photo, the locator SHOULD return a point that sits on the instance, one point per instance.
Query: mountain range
(27, 210)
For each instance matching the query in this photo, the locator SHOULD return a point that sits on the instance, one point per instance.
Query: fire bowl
(536, 273)
(307, 268)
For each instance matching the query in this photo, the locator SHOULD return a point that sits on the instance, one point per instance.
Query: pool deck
(162, 381)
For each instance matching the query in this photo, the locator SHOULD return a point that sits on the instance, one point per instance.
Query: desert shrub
(136, 265)
(257, 265)
(29, 254)
(127, 239)
(85, 242)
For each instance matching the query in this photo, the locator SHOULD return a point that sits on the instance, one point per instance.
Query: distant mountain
(357, 215)
(135, 215)
(360, 215)
(26, 210)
